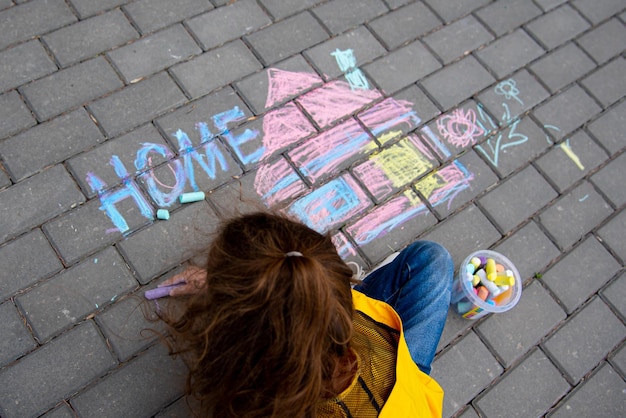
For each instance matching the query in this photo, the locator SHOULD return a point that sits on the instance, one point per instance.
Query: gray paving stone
(68, 297)
(34, 201)
(481, 178)
(54, 372)
(404, 24)
(394, 4)
(503, 16)
(607, 128)
(154, 250)
(464, 371)
(515, 332)
(603, 395)
(216, 68)
(61, 138)
(283, 8)
(23, 63)
(562, 66)
(287, 37)
(341, 15)
(581, 273)
(571, 346)
(136, 104)
(615, 293)
(227, 23)
(570, 160)
(5, 181)
(455, 326)
(87, 8)
(458, 39)
(549, 4)
(74, 86)
(542, 382)
(612, 234)
(128, 325)
(150, 15)
(90, 37)
(141, 387)
(566, 111)
(608, 84)
(510, 52)
(62, 411)
(239, 197)
(43, 263)
(126, 147)
(255, 88)
(514, 146)
(597, 12)
(517, 198)
(452, 11)
(467, 231)
(575, 214)
(618, 360)
(360, 41)
(154, 53)
(529, 249)
(558, 26)
(384, 71)
(469, 413)
(425, 108)
(16, 340)
(74, 293)
(87, 228)
(14, 115)
(178, 409)
(610, 179)
(605, 41)
(37, 17)
(457, 82)
(186, 118)
(513, 97)
(5, 3)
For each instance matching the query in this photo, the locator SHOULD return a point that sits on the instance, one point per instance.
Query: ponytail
(264, 338)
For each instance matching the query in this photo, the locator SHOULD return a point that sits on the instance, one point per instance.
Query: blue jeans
(417, 285)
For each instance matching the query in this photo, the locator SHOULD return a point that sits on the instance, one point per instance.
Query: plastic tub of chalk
(487, 282)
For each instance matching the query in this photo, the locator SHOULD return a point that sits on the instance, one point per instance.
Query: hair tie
(293, 254)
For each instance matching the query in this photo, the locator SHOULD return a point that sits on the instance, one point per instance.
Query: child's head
(264, 338)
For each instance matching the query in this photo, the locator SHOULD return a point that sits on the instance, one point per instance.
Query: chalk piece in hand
(163, 214)
(191, 197)
(160, 292)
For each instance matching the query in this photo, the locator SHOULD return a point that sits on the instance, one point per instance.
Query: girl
(274, 329)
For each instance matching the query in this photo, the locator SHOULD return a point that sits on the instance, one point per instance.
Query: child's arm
(191, 280)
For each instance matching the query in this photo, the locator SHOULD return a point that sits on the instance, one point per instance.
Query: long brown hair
(266, 335)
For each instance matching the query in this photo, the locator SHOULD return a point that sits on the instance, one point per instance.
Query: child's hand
(194, 279)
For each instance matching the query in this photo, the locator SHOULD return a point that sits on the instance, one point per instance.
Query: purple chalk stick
(160, 292)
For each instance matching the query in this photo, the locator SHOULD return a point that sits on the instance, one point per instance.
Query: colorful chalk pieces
(490, 268)
(163, 214)
(191, 197)
(483, 293)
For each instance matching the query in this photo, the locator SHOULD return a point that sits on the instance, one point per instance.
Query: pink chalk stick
(160, 292)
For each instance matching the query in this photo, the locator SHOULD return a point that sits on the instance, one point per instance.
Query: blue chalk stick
(191, 197)
(163, 214)
(160, 292)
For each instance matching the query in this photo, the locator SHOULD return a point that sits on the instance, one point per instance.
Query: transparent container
(465, 301)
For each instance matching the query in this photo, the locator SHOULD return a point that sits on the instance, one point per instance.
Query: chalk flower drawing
(459, 128)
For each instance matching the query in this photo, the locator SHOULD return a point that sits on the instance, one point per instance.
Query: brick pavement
(475, 123)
